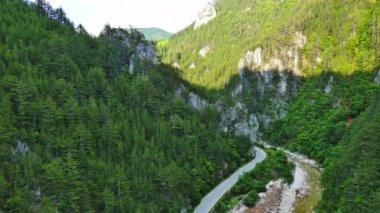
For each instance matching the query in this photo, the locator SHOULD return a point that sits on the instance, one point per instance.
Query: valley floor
(301, 196)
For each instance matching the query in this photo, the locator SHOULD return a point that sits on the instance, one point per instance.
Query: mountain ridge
(342, 44)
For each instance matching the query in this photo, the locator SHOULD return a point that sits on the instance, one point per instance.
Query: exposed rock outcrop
(287, 59)
(282, 85)
(21, 148)
(132, 65)
(248, 127)
(203, 52)
(252, 59)
(377, 79)
(237, 91)
(146, 51)
(196, 101)
(176, 65)
(179, 92)
(329, 85)
(207, 14)
(261, 97)
(299, 40)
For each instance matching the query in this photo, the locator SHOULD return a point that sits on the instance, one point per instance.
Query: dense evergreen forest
(352, 177)
(340, 129)
(79, 133)
(87, 125)
(318, 119)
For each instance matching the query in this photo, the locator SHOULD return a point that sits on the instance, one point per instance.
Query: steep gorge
(295, 73)
(99, 124)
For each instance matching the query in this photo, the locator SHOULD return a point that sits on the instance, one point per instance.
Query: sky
(170, 15)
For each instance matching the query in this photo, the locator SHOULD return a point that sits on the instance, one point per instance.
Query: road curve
(209, 201)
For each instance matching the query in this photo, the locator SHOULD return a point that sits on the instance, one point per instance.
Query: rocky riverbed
(300, 196)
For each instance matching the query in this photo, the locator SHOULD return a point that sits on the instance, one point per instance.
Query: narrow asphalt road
(209, 201)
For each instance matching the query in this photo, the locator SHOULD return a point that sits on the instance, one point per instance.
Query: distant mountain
(154, 34)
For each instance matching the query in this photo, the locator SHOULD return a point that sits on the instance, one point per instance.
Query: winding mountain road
(209, 201)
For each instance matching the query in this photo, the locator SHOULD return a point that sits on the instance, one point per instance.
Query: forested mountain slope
(303, 36)
(352, 178)
(334, 120)
(98, 124)
(93, 125)
(299, 74)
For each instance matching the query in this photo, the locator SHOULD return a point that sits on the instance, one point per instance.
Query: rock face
(237, 91)
(377, 79)
(237, 119)
(329, 85)
(260, 98)
(299, 40)
(179, 92)
(286, 59)
(282, 86)
(252, 59)
(207, 14)
(176, 65)
(146, 51)
(132, 65)
(22, 148)
(203, 52)
(248, 127)
(196, 102)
